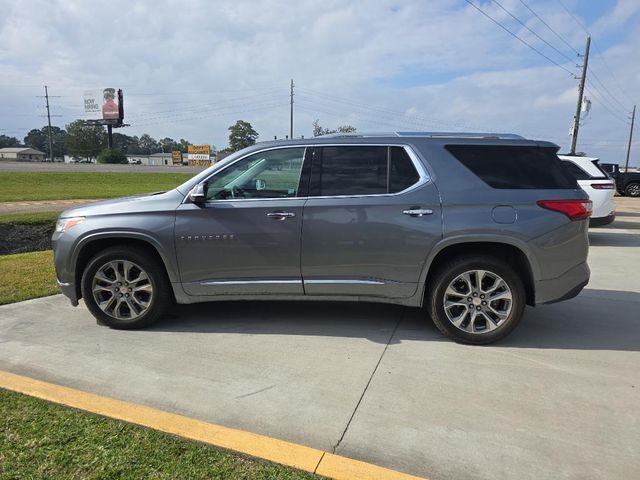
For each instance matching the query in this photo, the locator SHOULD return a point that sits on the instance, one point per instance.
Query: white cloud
(427, 65)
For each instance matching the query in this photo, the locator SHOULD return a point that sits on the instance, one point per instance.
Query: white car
(599, 186)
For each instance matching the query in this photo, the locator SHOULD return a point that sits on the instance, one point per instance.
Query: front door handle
(281, 215)
(418, 212)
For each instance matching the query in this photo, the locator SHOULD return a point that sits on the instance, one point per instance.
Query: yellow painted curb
(260, 446)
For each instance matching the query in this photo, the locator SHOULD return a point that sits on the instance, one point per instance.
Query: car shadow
(595, 320)
(627, 214)
(602, 238)
(620, 224)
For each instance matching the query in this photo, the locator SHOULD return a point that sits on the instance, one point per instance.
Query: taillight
(574, 209)
(602, 186)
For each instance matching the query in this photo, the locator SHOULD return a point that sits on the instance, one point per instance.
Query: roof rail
(505, 136)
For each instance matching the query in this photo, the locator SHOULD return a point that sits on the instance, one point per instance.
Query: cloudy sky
(189, 69)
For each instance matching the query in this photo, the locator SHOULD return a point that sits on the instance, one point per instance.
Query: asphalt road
(558, 399)
(89, 167)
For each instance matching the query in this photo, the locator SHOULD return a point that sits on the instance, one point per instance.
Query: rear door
(372, 216)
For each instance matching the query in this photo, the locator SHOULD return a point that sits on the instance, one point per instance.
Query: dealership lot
(558, 399)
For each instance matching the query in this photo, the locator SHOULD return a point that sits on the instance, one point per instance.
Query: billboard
(199, 155)
(102, 104)
(176, 156)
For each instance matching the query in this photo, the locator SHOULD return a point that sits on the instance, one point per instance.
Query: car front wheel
(476, 299)
(125, 288)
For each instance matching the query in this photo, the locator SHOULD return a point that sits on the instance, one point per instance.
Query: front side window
(364, 170)
(269, 174)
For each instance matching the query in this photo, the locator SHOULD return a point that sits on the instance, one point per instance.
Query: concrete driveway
(560, 398)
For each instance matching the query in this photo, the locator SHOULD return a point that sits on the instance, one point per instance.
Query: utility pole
(291, 114)
(46, 96)
(633, 117)
(583, 78)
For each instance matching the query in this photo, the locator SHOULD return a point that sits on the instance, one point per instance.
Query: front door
(245, 239)
(371, 219)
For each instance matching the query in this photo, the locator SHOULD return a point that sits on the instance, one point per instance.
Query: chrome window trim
(419, 166)
(213, 202)
(423, 173)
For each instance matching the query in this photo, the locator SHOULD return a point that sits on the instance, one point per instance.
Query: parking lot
(559, 398)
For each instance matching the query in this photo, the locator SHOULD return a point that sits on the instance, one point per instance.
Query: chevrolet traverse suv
(471, 227)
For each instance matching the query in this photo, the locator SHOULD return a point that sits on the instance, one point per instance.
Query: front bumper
(566, 286)
(69, 291)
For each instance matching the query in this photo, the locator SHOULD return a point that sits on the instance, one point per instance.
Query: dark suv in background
(470, 226)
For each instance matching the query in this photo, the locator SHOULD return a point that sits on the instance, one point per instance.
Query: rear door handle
(418, 212)
(281, 215)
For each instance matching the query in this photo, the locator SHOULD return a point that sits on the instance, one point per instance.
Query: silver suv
(472, 227)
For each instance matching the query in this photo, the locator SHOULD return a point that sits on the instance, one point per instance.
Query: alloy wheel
(122, 289)
(477, 301)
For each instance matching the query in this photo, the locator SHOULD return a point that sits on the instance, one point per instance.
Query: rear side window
(403, 172)
(363, 170)
(576, 171)
(515, 167)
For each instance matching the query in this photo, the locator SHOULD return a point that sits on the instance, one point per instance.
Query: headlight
(64, 224)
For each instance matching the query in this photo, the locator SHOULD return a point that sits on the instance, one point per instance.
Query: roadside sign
(199, 155)
(176, 156)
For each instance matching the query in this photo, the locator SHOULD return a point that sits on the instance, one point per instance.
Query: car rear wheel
(476, 299)
(125, 288)
(632, 190)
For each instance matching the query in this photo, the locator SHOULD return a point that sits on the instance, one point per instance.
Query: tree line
(80, 139)
(83, 140)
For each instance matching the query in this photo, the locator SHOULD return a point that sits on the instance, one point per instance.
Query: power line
(205, 106)
(611, 96)
(377, 110)
(533, 32)
(173, 120)
(549, 27)
(601, 57)
(205, 110)
(575, 19)
(604, 105)
(514, 35)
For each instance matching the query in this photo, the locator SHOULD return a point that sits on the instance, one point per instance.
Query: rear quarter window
(515, 167)
(577, 172)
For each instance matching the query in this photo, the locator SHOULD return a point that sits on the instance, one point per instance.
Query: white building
(22, 154)
(160, 159)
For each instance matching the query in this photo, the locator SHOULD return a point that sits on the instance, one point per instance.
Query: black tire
(160, 301)
(434, 300)
(632, 190)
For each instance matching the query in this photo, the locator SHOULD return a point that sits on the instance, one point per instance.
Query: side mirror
(198, 195)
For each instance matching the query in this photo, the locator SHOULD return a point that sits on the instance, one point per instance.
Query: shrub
(112, 156)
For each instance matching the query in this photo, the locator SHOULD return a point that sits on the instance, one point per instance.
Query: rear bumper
(601, 221)
(566, 286)
(69, 291)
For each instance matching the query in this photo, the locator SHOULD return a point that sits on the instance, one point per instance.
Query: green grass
(39, 439)
(29, 218)
(21, 186)
(24, 276)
